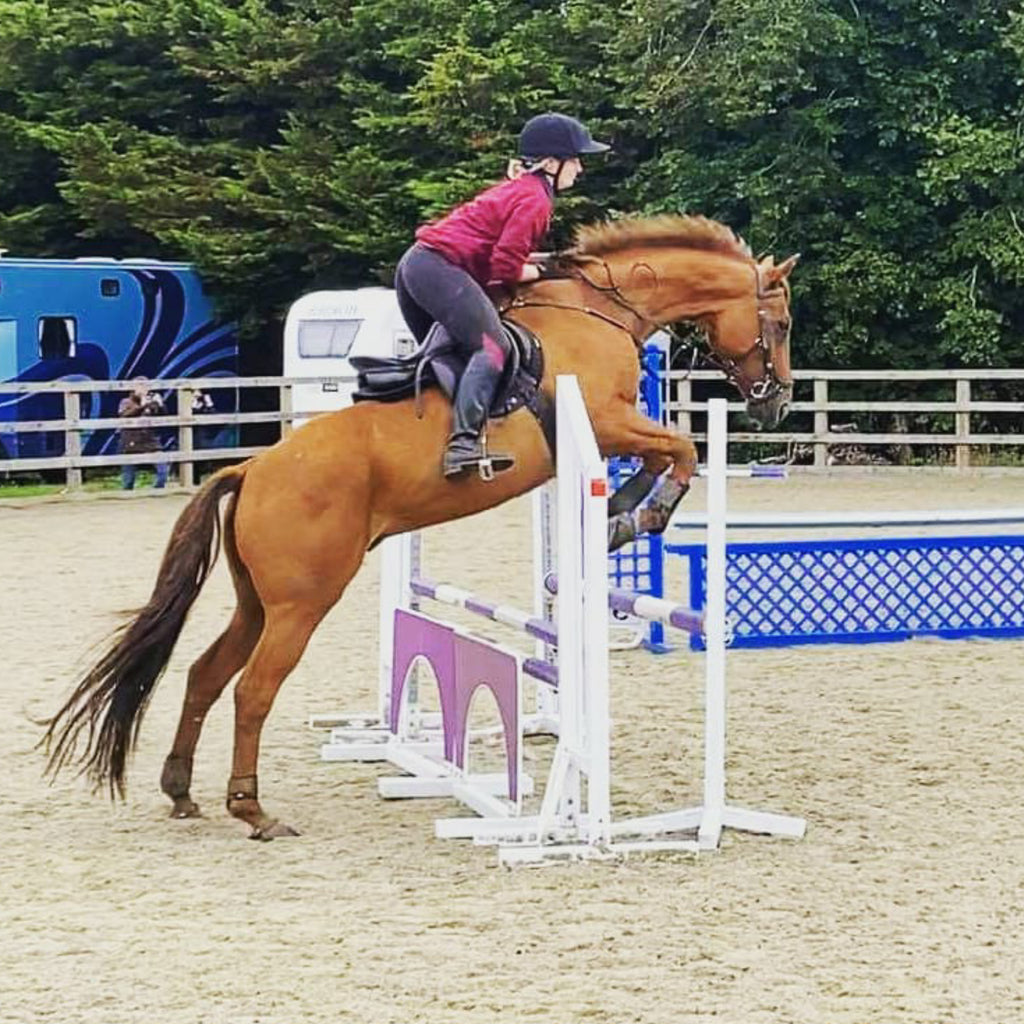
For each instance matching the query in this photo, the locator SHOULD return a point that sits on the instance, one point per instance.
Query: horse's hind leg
(285, 634)
(207, 677)
(209, 674)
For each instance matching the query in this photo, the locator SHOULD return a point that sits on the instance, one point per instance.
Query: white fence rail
(962, 408)
(186, 453)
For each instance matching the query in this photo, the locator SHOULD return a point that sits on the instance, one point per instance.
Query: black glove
(553, 270)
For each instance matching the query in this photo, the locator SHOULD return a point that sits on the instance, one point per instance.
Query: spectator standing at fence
(141, 440)
(204, 437)
(202, 404)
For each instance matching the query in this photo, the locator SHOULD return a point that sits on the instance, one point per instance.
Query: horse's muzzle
(770, 410)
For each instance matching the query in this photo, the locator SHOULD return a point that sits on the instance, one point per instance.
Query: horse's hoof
(185, 809)
(275, 830)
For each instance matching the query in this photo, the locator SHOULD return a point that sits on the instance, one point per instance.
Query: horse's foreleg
(207, 677)
(286, 632)
(633, 434)
(637, 487)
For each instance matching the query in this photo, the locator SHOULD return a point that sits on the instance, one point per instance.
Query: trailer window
(8, 349)
(327, 339)
(57, 337)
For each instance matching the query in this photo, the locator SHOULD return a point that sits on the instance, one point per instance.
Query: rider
(487, 241)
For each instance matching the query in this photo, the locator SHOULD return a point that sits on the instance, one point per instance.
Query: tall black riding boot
(467, 448)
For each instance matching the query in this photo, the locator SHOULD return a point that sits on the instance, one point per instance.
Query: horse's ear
(777, 274)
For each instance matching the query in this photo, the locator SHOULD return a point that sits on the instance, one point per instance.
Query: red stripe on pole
(598, 488)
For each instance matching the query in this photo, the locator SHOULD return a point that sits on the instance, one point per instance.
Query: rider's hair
(520, 165)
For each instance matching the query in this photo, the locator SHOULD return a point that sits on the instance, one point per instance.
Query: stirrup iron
(486, 464)
(489, 464)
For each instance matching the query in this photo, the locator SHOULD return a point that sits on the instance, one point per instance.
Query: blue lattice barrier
(866, 591)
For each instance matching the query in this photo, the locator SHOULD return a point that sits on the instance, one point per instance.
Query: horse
(302, 514)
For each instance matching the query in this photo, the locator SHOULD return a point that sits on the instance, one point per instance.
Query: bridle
(758, 389)
(769, 383)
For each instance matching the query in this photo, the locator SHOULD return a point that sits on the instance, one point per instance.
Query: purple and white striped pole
(503, 613)
(653, 609)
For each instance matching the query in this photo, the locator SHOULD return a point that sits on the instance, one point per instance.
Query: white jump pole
(578, 795)
(710, 829)
(716, 814)
(544, 720)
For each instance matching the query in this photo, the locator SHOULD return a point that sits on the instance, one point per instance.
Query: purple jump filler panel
(480, 664)
(461, 666)
(419, 637)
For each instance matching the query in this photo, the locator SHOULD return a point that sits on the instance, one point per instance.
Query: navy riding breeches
(430, 289)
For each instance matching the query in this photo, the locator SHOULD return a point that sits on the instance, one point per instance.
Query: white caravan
(323, 330)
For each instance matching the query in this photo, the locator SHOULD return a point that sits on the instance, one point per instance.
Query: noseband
(760, 389)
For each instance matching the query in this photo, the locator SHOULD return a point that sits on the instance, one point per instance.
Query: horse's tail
(112, 697)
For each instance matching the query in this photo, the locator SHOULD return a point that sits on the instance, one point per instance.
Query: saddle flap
(523, 371)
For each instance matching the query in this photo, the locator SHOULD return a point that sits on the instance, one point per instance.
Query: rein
(616, 295)
(518, 303)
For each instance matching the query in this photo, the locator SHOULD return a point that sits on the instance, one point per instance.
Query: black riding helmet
(557, 135)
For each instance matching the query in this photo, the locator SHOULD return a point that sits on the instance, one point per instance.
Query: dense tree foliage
(290, 144)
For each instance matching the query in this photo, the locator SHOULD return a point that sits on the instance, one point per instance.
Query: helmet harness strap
(530, 163)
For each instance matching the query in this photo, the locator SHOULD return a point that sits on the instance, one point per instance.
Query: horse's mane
(664, 230)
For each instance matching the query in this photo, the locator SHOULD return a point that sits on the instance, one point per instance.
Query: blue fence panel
(784, 593)
(639, 566)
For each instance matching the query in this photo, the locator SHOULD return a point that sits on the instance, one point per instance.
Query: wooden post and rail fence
(961, 409)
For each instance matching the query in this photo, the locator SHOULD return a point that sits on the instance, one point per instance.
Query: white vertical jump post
(544, 721)
(582, 757)
(715, 814)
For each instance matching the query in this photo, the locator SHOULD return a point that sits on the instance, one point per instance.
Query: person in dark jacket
(141, 440)
(487, 241)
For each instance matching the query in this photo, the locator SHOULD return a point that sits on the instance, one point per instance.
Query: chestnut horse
(303, 513)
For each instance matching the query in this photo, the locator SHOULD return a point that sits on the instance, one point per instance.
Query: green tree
(289, 144)
(279, 145)
(878, 138)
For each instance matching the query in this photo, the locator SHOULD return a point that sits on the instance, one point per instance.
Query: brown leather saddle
(438, 363)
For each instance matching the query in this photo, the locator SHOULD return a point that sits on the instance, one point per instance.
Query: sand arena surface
(903, 904)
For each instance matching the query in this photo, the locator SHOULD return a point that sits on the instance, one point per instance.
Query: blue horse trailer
(102, 319)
